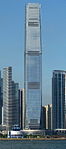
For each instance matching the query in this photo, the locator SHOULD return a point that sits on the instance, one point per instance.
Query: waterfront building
(33, 67)
(16, 104)
(15, 132)
(2, 115)
(51, 116)
(10, 99)
(59, 99)
(1, 98)
(43, 117)
(48, 116)
(21, 98)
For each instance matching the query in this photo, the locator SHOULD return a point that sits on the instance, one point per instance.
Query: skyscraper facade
(1, 97)
(21, 97)
(59, 99)
(15, 104)
(48, 116)
(33, 67)
(10, 99)
(43, 117)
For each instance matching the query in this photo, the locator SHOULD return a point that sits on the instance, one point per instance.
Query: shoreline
(30, 139)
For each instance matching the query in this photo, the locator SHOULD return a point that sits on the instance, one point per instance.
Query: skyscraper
(10, 99)
(59, 99)
(33, 67)
(1, 97)
(21, 97)
(43, 117)
(15, 104)
(48, 116)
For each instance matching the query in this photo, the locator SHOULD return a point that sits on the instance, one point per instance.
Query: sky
(53, 32)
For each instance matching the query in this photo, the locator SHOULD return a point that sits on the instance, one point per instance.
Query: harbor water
(33, 144)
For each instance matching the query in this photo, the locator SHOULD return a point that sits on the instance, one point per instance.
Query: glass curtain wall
(33, 67)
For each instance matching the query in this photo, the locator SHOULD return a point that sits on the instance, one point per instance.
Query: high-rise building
(10, 99)
(59, 99)
(1, 97)
(43, 117)
(33, 67)
(48, 116)
(16, 104)
(21, 98)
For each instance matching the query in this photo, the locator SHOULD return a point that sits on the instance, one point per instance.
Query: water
(33, 144)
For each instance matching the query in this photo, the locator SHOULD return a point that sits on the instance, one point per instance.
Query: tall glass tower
(33, 67)
(59, 99)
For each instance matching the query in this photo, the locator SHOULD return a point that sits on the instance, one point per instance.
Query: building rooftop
(62, 71)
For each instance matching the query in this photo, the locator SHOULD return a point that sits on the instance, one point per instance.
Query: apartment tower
(10, 99)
